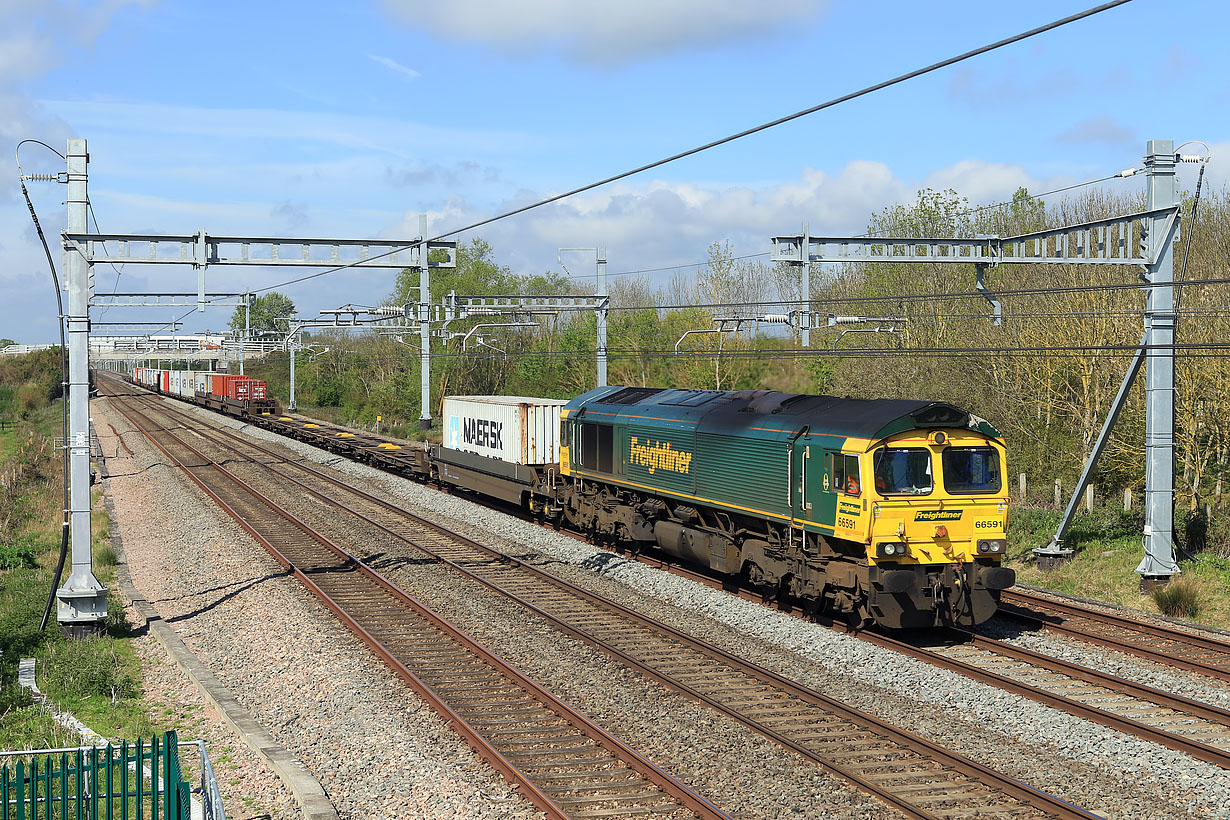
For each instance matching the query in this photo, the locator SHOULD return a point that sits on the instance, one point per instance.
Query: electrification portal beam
(82, 599)
(1145, 239)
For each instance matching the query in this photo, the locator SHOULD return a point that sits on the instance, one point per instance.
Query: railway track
(1171, 647)
(1198, 729)
(563, 763)
(908, 772)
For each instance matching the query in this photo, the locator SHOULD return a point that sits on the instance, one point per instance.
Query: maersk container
(515, 429)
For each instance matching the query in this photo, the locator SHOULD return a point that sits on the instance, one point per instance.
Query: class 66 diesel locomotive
(886, 511)
(882, 511)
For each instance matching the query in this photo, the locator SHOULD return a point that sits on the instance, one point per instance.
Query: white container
(515, 429)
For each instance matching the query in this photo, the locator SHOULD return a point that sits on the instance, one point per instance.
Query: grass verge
(1108, 550)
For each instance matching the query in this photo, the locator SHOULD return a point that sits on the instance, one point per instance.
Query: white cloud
(393, 65)
(657, 223)
(605, 31)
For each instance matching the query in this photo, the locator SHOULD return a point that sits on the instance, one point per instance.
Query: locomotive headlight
(992, 546)
(890, 549)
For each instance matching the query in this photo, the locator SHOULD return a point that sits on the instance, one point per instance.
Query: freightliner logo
(658, 456)
(938, 515)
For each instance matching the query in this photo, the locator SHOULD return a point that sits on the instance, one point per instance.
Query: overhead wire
(1016, 38)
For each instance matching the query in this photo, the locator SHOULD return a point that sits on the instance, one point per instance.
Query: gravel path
(1094, 767)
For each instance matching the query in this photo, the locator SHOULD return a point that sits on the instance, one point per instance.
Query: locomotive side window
(587, 445)
(970, 470)
(905, 471)
(606, 448)
(843, 470)
(596, 450)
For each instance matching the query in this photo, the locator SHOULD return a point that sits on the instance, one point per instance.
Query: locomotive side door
(803, 476)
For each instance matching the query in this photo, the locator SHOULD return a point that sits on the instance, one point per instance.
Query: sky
(323, 120)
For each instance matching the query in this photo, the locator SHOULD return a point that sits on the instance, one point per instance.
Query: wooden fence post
(1089, 498)
(1127, 499)
(1058, 492)
(1021, 481)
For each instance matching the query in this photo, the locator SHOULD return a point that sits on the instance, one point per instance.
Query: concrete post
(425, 324)
(1162, 192)
(82, 600)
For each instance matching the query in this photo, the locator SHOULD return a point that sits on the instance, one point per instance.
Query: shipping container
(515, 429)
(218, 384)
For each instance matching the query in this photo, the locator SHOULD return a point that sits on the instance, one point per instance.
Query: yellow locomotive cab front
(938, 525)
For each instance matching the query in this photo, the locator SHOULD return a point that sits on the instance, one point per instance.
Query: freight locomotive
(889, 511)
(886, 511)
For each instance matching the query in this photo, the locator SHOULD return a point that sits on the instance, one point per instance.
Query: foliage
(16, 553)
(263, 314)
(93, 667)
(1179, 599)
(1045, 376)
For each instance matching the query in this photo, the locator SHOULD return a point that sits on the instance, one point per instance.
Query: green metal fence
(142, 781)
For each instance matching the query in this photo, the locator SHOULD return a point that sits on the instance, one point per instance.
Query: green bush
(17, 554)
(1179, 599)
(329, 394)
(89, 668)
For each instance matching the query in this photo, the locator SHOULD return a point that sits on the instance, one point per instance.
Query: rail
(795, 717)
(431, 655)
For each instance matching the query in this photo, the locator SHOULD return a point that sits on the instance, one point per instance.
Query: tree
(264, 312)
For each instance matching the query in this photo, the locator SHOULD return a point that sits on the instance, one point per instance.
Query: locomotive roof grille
(737, 411)
(631, 395)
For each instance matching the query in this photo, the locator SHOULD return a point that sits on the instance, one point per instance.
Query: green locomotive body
(886, 510)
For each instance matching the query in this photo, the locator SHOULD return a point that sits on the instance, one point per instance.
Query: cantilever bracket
(997, 315)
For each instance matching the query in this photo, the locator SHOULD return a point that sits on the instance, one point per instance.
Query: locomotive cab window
(971, 470)
(843, 471)
(903, 471)
(596, 447)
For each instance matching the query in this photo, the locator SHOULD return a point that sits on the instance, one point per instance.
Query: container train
(891, 512)
(228, 392)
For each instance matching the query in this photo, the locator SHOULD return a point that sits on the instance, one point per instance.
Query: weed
(17, 554)
(1179, 599)
(90, 667)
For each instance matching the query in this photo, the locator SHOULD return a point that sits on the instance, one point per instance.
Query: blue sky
(349, 120)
